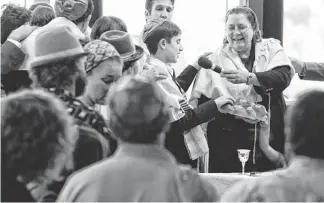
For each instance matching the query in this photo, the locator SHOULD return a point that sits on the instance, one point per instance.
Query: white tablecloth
(223, 181)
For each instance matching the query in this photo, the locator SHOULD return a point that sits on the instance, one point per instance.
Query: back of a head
(137, 110)
(41, 16)
(305, 124)
(12, 18)
(107, 23)
(37, 135)
(34, 6)
(157, 29)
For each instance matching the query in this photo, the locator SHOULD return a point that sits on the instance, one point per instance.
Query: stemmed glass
(243, 155)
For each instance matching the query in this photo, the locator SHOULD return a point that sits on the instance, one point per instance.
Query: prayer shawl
(176, 100)
(28, 45)
(269, 54)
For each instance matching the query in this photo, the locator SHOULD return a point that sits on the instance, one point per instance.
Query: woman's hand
(235, 76)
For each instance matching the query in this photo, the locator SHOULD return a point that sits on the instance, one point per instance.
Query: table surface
(223, 181)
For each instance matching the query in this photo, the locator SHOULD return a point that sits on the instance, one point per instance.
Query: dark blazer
(174, 139)
(11, 57)
(312, 71)
(228, 134)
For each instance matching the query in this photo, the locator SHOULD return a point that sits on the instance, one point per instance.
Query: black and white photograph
(162, 101)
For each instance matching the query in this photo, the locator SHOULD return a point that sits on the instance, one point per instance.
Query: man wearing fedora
(57, 68)
(141, 170)
(129, 52)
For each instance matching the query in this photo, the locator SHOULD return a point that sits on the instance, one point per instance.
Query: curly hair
(107, 23)
(41, 16)
(12, 18)
(37, 135)
(252, 18)
(58, 74)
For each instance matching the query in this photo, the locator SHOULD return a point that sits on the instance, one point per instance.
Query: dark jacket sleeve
(312, 71)
(275, 80)
(186, 77)
(197, 116)
(11, 57)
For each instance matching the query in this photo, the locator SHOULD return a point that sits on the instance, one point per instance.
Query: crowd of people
(96, 114)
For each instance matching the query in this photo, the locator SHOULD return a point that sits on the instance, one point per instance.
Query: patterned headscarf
(150, 26)
(100, 51)
(71, 9)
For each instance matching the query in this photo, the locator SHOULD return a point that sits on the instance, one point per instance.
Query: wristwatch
(248, 79)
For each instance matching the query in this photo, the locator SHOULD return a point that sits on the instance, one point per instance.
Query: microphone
(206, 63)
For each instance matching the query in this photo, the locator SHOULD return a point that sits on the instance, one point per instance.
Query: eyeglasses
(241, 28)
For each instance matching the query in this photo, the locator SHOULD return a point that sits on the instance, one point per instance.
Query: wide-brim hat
(124, 44)
(56, 44)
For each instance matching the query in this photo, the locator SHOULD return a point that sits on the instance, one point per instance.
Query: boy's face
(161, 9)
(172, 50)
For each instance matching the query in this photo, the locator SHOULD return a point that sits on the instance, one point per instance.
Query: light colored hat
(135, 102)
(150, 26)
(71, 9)
(124, 44)
(101, 51)
(56, 44)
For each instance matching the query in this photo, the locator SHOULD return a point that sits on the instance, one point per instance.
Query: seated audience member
(13, 17)
(163, 39)
(141, 169)
(103, 67)
(41, 16)
(11, 58)
(57, 68)
(308, 70)
(125, 46)
(37, 137)
(106, 23)
(303, 179)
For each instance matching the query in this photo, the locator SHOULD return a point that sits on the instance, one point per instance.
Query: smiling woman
(254, 69)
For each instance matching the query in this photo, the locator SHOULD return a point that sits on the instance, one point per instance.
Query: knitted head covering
(100, 51)
(71, 9)
(150, 26)
(135, 104)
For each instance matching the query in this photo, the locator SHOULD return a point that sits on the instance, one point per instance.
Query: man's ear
(162, 43)
(147, 14)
